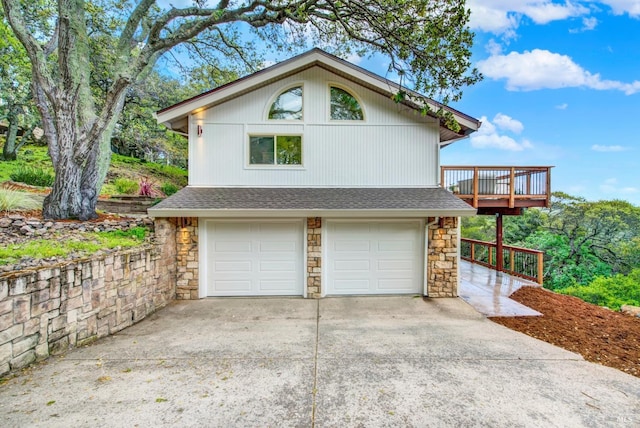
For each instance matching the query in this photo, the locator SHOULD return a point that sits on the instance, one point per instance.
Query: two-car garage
(268, 257)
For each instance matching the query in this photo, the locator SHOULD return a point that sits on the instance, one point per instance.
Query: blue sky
(561, 88)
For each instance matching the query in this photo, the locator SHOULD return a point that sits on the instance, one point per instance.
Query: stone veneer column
(442, 258)
(187, 253)
(314, 257)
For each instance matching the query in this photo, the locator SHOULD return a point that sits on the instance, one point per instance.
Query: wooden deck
(499, 189)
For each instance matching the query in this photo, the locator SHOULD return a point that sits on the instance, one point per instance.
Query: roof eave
(341, 213)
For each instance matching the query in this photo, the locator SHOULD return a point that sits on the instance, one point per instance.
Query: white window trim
(275, 96)
(351, 92)
(275, 135)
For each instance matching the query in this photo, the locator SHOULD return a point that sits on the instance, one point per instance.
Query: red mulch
(598, 334)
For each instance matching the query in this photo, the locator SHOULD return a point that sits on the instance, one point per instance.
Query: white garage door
(254, 258)
(374, 257)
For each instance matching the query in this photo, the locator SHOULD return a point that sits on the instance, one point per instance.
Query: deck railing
(521, 262)
(507, 186)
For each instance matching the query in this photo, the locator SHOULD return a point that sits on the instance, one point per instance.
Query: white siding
(392, 147)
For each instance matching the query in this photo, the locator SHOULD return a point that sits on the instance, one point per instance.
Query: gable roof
(175, 116)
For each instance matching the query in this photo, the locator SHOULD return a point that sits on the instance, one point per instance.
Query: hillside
(33, 166)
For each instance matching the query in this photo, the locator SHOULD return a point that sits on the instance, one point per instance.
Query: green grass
(169, 188)
(14, 200)
(28, 156)
(124, 186)
(33, 176)
(94, 241)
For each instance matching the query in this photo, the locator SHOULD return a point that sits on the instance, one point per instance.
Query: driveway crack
(315, 366)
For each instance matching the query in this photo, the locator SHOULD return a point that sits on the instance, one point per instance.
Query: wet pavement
(488, 291)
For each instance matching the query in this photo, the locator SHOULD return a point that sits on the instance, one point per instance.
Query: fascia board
(398, 213)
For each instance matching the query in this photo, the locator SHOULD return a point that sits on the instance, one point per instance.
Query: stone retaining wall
(48, 310)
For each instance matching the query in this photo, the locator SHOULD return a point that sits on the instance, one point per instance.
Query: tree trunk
(9, 150)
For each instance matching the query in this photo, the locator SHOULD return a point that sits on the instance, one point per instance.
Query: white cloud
(610, 186)
(600, 148)
(543, 12)
(562, 106)
(493, 47)
(542, 69)
(503, 17)
(353, 58)
(588, 24)
(489, 137)
(620, 7)
(507, 123)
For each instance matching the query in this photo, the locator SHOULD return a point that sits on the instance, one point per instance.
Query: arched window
(344, 106)
(288, 105)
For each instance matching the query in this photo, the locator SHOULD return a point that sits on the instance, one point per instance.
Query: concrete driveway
(341, 362)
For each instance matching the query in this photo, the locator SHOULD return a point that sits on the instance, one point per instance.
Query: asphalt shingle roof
(311, 199)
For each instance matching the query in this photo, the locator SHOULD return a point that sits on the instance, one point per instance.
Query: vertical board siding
(392, 147)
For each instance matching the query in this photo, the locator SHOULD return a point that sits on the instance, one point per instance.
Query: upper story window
(288, 105)
(344, 106)
(275, 150)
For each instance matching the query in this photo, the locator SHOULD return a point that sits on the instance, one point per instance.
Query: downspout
(426, 254)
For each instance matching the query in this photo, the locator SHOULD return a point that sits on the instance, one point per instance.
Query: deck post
(541, 268)
(499, 255)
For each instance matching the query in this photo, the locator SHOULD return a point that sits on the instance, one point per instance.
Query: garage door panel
(233, 266)
(233, 246)
(399, 285)
(397, 246)
(401, 265)
(345, 246)
(276, 286)
(235, 286)
(247, 258)
(352, 265)
(278, 246)
(278, 266)
(353, 286)
(375, 257)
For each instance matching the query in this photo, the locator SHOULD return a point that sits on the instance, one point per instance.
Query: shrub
(14, 200)
(146, 187)
(124, 186)
(169, 188)
(33, 176)
(137, 232)
(611, 292)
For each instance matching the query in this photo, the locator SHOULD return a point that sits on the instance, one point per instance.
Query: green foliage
(611, 292)
(138, 233)
(563, 267)
(480, 227)
(124, 186)
(582, 240)
(17, 107)
(14, 200)
(33, 176)
(169, 188)
(129, 165)
(91, 242)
